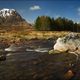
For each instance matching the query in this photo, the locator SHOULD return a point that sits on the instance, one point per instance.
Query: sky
(30, 9)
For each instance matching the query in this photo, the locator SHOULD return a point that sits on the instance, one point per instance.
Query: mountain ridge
(10, 18)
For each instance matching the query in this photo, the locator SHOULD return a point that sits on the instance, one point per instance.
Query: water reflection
(42, 50)
(34, 64)
(14, 48)
(31, 65)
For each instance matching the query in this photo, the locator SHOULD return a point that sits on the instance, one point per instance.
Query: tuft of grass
(54, 52)
(27, 35)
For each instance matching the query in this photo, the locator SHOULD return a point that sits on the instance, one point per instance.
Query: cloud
(56, 16)
(35, 7)
(79, 11)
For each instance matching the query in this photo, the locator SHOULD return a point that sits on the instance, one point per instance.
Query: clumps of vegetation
(22, 36)
(53, 51)
(46, 23)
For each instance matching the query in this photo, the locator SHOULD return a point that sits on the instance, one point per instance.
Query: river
(38, 65)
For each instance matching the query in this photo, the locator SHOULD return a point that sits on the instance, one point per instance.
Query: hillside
(10, 19)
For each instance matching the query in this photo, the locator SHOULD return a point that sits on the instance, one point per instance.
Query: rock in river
(70, 42)
(14, 48)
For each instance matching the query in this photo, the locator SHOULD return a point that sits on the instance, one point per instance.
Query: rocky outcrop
(10, 18)
(71, 42)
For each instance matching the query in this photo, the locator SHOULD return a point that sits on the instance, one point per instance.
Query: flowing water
(37, 64)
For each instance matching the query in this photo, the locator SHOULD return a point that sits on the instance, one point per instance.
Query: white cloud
(79, 10)
(35, 7)
(56, 16)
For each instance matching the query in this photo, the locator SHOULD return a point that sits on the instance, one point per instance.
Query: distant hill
(10, 18)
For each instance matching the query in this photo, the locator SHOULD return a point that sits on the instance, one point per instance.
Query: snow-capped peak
(6, 12)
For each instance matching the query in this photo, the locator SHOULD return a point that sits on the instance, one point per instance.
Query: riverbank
(27, 35)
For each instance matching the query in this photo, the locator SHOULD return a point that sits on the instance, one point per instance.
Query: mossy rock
(54, 51)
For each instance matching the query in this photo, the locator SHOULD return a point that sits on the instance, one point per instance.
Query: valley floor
(27, 35)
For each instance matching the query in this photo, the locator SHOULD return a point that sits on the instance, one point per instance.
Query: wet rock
(60, 46)
(69, 74)
(2, 58)
(71, 42)
(14, 47)
(54, 51)
(35, 76)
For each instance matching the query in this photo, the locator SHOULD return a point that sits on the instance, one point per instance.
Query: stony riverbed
(32, 65)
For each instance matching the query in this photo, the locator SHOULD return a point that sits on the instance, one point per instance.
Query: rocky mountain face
(10, 17)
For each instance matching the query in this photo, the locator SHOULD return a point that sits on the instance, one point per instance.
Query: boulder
(14, 48)
(70, 42)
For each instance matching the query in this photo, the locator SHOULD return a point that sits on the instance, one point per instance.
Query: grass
(17, 36)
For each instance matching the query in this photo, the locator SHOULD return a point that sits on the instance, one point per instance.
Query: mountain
(10, 17)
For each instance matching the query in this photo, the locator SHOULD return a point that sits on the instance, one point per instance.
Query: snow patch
(6, 12)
